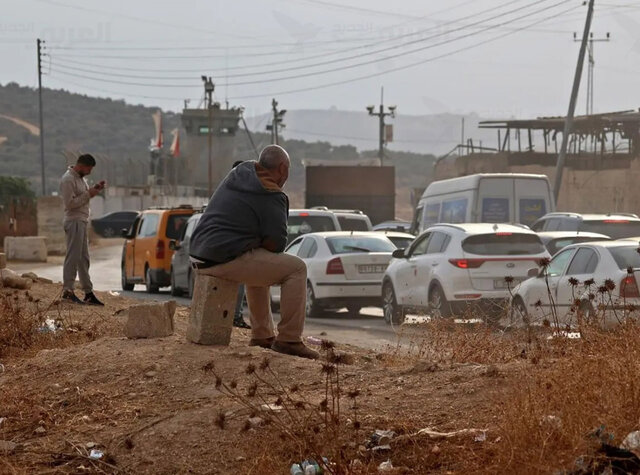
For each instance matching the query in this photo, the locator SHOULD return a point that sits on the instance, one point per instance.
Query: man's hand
(93, 191)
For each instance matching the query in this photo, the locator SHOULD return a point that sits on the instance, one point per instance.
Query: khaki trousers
(76, 260)
(258, 270)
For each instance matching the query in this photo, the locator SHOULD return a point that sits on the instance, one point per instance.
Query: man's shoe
(295, 349)
(262, 342)
(239, 322)
(91, 299)
(69, 296)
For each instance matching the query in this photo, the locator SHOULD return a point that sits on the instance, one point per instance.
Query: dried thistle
(246, 426)
(209, 367)
(233, 384)
(629, 270)
(327, 345)
(250, 369)
(589, 282)
(544, 262)
(294, 389)
(610, 284)
(602, 289)
(338, 358)
(592, 296)
(573, 281)
(508, 279)
(298, 405)
(264, 364)
(279, 401)
(353, 394)
(538, 304)
(252, 389)
(218, 382)
(324, 404)
(327, 368)
(221, 419)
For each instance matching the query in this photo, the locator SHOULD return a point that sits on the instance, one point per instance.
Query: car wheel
(439, 307)
(354, 310)
(175, 291)
(123, 279)
(311, 308)
(148, 282)
(109, 232)
(393, 313)
(192, 284)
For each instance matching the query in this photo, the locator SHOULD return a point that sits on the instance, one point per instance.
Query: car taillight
(160, 249)
(334, 266)
(467, 263)
(629, 288)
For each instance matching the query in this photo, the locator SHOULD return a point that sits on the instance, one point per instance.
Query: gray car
(182, 276)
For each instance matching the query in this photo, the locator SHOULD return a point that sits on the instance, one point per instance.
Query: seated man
(241, 237)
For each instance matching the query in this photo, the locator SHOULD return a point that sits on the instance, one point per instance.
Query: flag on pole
(157, 120)
(175, 145)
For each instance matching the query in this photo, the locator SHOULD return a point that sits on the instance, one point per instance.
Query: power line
(342, 68)
(407, 66)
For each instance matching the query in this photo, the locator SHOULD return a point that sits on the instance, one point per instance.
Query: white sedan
(595, 278)
(344, 269)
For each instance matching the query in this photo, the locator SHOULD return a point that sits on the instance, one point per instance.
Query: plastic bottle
(296, 469)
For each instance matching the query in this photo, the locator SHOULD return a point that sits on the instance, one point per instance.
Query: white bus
(485, 198)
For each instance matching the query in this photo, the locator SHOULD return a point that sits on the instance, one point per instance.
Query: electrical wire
(337, 69)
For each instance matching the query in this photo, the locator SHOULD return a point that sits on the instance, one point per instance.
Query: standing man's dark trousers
(76, 261)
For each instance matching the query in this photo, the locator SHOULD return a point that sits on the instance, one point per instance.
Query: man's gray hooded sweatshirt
(247, 211)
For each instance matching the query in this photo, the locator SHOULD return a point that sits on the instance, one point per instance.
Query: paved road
(366, 330)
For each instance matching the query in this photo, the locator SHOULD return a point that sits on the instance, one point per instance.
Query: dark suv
(616, 226)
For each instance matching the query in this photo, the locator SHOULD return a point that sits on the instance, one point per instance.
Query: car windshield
(400, 242)
(299, 225)
(351, 244)
(614, 228)
(556, 244)
(503, 244)
(626, 256)
(352, 224)
(175, 224)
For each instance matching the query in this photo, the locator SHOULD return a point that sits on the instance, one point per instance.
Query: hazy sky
(497, 58)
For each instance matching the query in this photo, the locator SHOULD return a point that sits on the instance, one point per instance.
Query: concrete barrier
(50, 214)
(212, 308)
(150, 320)
(3, 260)
(25, 248)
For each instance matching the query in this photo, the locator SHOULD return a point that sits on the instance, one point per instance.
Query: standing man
(76, 194)
(241, 237)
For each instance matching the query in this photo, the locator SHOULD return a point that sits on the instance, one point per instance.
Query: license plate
(372, 269)
(502, 284)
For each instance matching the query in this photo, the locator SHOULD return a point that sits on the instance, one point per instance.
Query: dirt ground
(164, 405)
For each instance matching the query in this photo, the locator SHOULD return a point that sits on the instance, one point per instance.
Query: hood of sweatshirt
(250, 177)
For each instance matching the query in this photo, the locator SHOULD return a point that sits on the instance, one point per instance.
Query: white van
(485, 198)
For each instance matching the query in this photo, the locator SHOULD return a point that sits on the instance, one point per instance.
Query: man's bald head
(275, 160)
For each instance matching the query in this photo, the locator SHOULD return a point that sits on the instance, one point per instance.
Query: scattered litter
(380, 440)
(312, 340)
(632, 441)
(480, 437)
(90, 445)
(271, 407)
(96, 454)
(385, 466)
(416, 320)
(308, 467)
(40, 430)
(552, 421)
(564, 334)
(50, 326)
(432, 434)
(296, 469)
(86, 418)
(256, 421)
(240, 458)
(468, 321)
(436, 449)
(113, 293)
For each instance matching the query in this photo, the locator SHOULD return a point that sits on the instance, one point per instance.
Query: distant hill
(428, 134)
(121, 132)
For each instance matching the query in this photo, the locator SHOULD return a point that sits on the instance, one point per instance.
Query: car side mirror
(398, 254)
(124, 232)
(534, 272)
(174, 245)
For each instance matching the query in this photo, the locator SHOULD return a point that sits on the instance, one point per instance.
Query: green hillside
(121, 132)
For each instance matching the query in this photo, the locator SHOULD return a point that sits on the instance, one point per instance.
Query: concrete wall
(590, 183)
(50, 215)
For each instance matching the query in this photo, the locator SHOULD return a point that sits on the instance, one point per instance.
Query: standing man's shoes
(239, 322)
(262, 342)
(70, 296)
(295, 349)
(91, 299)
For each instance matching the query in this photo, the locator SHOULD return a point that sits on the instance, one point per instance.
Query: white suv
(450, 265)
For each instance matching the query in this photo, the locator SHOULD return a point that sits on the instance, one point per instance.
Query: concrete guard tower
(211, 134)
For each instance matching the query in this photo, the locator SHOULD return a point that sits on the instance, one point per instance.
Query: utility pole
(381, 114)
(591, 66)
(209, 87)
(40, 44)
(276, 121)
(568, 123)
